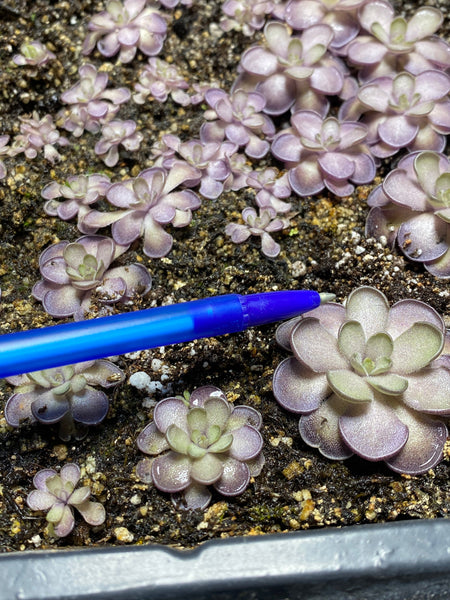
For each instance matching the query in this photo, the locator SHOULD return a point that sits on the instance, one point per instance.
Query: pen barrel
(70, 343)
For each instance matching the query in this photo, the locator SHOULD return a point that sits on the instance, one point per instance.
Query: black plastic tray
(393, 561)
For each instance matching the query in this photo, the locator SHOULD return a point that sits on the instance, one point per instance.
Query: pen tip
(326, 298)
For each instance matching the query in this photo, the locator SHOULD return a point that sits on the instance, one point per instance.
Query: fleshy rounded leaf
(92, 512)
(315, 347)
(144, 470)
(207, 470)
(70, 472)
(235, 478)
(429, 391)
(170, 411)
(320, 429)
(195, 496)
(151, 440)
(247, 443)
(178, 439)
(89, 407)
(66, 522)
(370, 307)
(424, 447)
(171, 472)
(416, 348)
(390, 384)
(373, 431)
(297, 388)
(351, 339)
(349, 386)
(40, 500)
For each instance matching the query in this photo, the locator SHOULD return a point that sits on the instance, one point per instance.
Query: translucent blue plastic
(38, 349)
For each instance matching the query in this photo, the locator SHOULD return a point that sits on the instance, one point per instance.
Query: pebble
(123, 535)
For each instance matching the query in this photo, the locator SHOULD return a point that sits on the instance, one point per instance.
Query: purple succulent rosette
(158, 79)
(72, 272)
(125, 27)
(412, 206)
(78, 191)
(273, 189)
(37, 134)
(340, 15)
(209, 158)
(148, 203)
(406, 111)
(200, 441)
(245, 15)
(64, 395)
(323, 153)
(33, 54)
(238, 117)
(90, 104)
(56, 495)
(395, 44)
(368, 379)
(261, 225)
(293, 72)
(114, 134)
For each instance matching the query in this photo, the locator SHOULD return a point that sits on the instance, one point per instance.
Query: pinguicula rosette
(261, 225)
(158, 79)
(290, 71)
(238, 117)
(78, 191)
(405, 111)
(148, 202)
(114, 134)
(56, 495)
(90, 104)
(73, 271)
(198, 441)
(369, 379)
(323, 153)
(245, 15)
(63, 395)
(125, 27)
(412, 206)
(272, 187)
(38, 134)
(209, 158)
(395, 44)
(33, 54)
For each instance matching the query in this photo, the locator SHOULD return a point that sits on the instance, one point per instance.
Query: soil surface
(324, 249)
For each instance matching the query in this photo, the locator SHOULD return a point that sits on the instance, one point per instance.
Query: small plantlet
(198, 441)
(56, 495)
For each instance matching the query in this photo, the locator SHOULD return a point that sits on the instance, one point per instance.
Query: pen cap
(261, 309)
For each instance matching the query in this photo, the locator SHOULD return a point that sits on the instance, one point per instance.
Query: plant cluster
(389, 72)
(366, 379)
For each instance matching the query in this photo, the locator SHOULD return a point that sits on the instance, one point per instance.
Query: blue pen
(69, 343)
